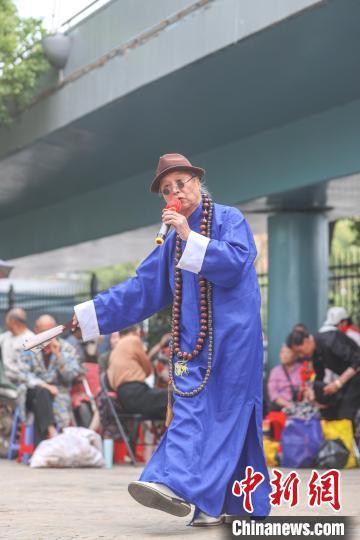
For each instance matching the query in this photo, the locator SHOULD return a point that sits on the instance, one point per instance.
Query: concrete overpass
(265, 95)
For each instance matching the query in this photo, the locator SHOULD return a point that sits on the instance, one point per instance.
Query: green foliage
(111, 275)
(159, 323)
(22, 60)
(346, 239)
(355, 228)
(344, 283)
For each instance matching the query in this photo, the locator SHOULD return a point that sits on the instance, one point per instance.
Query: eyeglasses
(180, 184)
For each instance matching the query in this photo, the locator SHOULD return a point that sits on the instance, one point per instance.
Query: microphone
(173, 204)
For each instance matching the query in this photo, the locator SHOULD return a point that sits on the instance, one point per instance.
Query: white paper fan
(39, 341)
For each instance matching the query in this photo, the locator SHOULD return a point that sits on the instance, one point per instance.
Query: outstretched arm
(130, 302)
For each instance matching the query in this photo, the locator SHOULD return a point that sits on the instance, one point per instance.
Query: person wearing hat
(337, 318)
(205, 269)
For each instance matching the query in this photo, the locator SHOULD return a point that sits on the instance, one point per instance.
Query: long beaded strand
(206, 323)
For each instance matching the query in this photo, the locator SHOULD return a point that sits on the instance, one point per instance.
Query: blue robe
(216, 434)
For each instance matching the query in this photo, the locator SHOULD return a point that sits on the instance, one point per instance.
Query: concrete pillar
(298, 275)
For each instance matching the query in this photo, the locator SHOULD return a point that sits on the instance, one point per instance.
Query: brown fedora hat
(173, 162)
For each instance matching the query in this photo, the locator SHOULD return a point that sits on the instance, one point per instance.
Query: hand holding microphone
(172, 217)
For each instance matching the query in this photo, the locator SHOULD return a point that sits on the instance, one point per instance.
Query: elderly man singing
(205, 269)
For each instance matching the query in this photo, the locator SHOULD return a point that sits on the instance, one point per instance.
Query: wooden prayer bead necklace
(206, 323)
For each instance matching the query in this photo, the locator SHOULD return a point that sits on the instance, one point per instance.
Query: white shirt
(11, 349)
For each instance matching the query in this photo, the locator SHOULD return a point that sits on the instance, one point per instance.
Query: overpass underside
(267, 102)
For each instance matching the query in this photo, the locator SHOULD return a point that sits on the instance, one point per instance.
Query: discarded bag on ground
(341, 429)
(333, 454)
(300, 442)
(75, 447)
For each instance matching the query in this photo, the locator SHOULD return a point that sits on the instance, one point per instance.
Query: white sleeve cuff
(86, 315)
(194, 252)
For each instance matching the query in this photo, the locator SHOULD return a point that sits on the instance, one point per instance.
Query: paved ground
(51, 504)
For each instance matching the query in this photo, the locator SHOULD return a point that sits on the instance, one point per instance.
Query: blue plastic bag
(300, 442)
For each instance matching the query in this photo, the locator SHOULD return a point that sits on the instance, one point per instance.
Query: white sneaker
(204, 520)
(160, 497)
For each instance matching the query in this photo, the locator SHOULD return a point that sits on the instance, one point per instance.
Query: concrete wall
(219, 24)
(315, 149)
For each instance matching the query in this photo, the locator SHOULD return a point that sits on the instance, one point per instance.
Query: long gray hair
(205, 189)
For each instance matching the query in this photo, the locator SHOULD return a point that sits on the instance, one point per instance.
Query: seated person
(284, 381)
(11, 343)
(335, 351)
(103, 359)
(129, 366)
(49, 374)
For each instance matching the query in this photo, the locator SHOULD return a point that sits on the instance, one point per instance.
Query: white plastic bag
(75, 447)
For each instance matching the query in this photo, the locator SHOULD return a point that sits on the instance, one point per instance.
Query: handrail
(123, 48)
(83, 10)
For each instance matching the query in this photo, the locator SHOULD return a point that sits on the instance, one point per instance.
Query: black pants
(39, 401)
(347, 402)
(136, 397)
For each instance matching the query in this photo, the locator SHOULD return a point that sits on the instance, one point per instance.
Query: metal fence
(344, 287)
(344, 284)
(55, 301)
(344, 290)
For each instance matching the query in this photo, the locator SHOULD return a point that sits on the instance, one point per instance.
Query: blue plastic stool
(14, 444)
